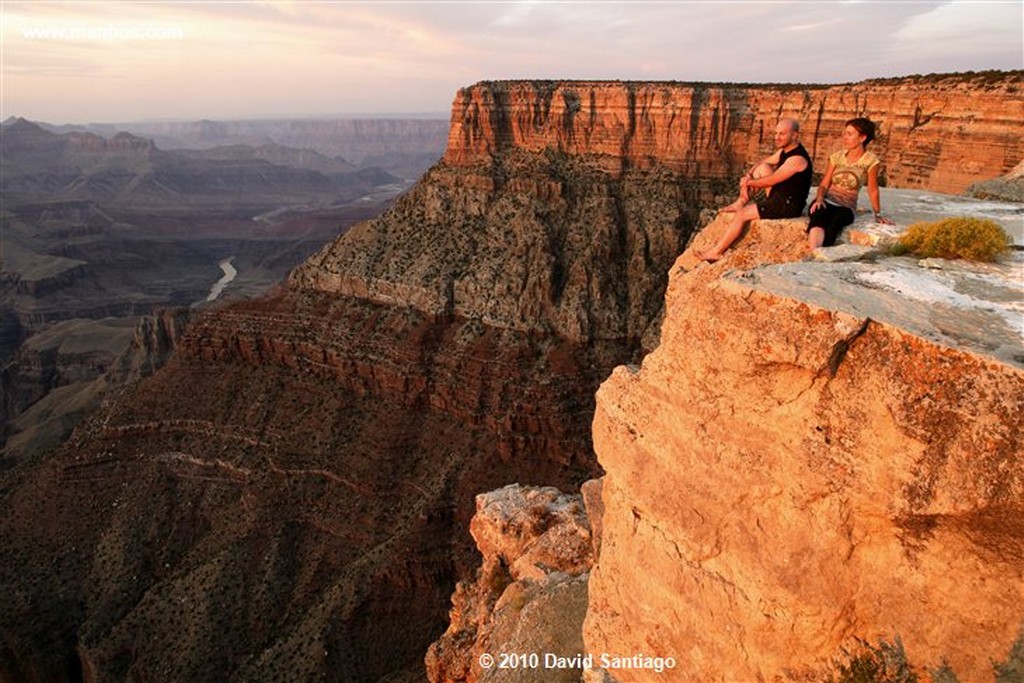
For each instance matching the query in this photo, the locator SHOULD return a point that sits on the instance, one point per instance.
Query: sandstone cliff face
(785, 477)
(939, 132)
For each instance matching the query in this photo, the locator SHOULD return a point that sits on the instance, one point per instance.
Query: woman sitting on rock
(849, 169)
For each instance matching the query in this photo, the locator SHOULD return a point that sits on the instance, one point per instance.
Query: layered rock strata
(935, 132)
(306, 463)
(801, 466)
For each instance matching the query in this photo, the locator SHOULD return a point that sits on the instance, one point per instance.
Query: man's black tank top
(796, 187)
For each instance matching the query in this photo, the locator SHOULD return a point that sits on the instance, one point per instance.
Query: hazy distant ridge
(404, 146)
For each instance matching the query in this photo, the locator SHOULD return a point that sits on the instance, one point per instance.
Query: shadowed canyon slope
(299, 478)
(290, 494)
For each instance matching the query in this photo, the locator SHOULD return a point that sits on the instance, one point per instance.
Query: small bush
(886, 663)
(977, 239)
(1012, 670)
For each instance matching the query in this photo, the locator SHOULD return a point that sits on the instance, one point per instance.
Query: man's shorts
(779, 205)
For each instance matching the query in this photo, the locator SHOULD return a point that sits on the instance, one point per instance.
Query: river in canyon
(229, 274)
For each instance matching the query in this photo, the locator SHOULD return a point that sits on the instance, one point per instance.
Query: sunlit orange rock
(797, 467)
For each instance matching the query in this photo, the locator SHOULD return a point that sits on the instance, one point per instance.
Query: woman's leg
(815, 237)
(826, 223)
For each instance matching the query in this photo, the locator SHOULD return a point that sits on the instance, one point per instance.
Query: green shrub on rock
(977, 239)
(886, 663)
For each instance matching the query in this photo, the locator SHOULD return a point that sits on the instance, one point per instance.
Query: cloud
(261, 59)
(963, 35)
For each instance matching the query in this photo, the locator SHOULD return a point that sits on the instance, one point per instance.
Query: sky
(81, 62)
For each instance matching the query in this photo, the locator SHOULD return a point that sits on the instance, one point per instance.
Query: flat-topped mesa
(939, 132)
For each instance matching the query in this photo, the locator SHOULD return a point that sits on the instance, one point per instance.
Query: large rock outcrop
(529, 596)
(806, 461)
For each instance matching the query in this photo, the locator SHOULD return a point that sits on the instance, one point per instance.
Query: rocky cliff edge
(802, 466)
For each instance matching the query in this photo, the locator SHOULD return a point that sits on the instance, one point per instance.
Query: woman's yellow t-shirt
(848, 178)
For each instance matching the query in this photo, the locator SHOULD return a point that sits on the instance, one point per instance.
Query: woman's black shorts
(832, 219)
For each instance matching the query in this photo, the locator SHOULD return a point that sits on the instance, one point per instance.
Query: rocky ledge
(809, 461)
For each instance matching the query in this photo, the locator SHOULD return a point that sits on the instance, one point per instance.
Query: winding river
(229, 274)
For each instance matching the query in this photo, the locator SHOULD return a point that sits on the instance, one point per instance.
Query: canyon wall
(810, 461)
(306, 463)
(936, 132)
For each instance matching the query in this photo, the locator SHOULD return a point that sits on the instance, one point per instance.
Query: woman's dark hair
(865, 127)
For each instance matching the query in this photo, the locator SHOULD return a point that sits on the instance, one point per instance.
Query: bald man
(787, 172)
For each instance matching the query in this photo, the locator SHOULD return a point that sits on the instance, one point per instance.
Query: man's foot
(735, 206)
(708, 256)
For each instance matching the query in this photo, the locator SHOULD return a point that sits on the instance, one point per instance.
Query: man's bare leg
(760, 171)
(736, 205)
(733, 231)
